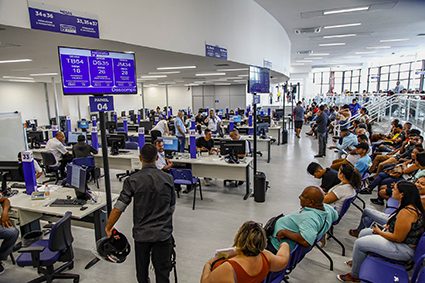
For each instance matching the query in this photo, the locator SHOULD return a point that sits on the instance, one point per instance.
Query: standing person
(213, 122)
(354, 107)
(8, 233)
(322, 131)
(298, 118)
(160, 129)
(180, 130)
(154, 202)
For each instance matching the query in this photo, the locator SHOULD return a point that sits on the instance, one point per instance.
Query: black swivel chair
(51, 170)
(43, 254)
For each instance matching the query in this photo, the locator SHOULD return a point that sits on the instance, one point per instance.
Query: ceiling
(41, 48)
(383, 20)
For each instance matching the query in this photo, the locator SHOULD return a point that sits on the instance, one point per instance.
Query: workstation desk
(27, 213)
(274, 132)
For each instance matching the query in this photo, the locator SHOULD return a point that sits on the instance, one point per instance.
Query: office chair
(185, 177)
(51, 168)
(132, 146)
(43, 254)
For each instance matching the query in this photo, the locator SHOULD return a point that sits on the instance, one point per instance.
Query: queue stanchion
(138, 118)
(231, 124)
(141, 139)
(125, 124)
(94, 121)
(55, 130)
(94, 138)
(115, 117)
(250, 129)
(269, 111)
(156, 120)
(192, 123)
(68, 127)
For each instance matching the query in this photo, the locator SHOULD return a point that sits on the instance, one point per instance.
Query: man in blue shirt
(180, 131)
(346, 143)
(306, 226)
(364, 162)
(354, 107)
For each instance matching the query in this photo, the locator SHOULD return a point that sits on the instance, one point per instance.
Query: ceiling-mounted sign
(420, 73)
(101, 103)
(256, 99)
(56, 19)
(374, 77)
(215, 52)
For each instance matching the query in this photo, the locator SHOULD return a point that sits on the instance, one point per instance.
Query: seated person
(8, 233)
(350, 181)
(306, 226)
(378, 137)
(162, 163)
(206, 143)
(82, 149)
(249, 262)
(57, 148)
(389, 144)
(400, 236)
(37, 168)
(346, 143)
(363, 163)
(352, 156)
(329, 176)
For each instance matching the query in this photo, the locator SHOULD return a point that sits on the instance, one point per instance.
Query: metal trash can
(284, 136)
(260, 187)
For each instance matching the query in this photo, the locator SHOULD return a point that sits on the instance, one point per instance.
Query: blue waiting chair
(421, 276)
(185, 177)
(378, 269)
(133, 139)
(391, 206)
(43, 254)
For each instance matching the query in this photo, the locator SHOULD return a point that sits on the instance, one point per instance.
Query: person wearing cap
(346, 143)
(82, 149)
(364, 162)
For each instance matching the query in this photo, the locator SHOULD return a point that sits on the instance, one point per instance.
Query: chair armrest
(35, 254)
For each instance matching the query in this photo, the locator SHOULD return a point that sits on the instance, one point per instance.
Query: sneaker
(1, 268)
(347, 278)
(377, 201)
(366, 192)
(354, 233)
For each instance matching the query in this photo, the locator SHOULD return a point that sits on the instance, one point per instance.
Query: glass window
(393, 76)
(404, 67)
(385, 69)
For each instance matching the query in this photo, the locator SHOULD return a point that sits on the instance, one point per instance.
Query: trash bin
(284, 136)
(260, 187)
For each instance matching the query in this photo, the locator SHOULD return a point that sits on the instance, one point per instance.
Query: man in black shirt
(153, 208)
(329, 176)
(82, 149)
(322, 131)
(206, 143)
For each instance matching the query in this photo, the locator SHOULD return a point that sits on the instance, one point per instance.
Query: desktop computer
(111, 126)
(10, 171)
(73, 137)
(116, 142)
(147, 125)
(231, 149)
(83, 125)
(170, 145)
(32, 124)
(35, 138)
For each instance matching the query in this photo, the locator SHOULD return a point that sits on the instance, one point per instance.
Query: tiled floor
(215, 221)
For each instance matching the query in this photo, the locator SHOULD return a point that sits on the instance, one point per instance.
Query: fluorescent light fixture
(22, 81)
(43, 74)
(242, 76)
(365, 52)
(15, 61)
(378, 47)
(304, 61)
(313, 58)
(343, 26)
(210, 74)
(348, 10)
(191, 85)
(150, 85)
(167, 83)
(129, 52)
(297, 64)
(153, 77)
(352, 57)
(176, 68)
(394, 40)
(223, 84)
(17, 78)
(319, 54)
(332, 44)
(164, 73)
(240, 81)
(340, 35)
(232, 70)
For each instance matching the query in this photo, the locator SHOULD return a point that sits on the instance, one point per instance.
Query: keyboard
(18, 186)
(123, 151)
(67, 203)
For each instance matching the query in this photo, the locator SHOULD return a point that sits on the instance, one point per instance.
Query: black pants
(161, 260)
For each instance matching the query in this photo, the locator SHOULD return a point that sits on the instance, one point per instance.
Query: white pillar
(55, 98)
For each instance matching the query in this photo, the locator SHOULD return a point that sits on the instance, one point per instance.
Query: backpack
(269, 227)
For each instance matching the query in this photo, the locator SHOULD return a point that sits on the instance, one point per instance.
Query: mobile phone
(375, 224)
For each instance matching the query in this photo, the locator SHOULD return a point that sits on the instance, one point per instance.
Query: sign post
(256, 99)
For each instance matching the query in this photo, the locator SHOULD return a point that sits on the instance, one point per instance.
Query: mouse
(83, 208)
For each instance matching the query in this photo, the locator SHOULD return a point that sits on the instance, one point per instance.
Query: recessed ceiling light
(319, 54)
(17, 78)
(242, 76)
(365, 52)
(43, 74)
(297, 64)
(191, 84)
(339, 35)
(176, 68)
(167, 83)
(343, 26)
(232, 70)
(332, 44)
(210, 74)
(348, 10)
(232, 78)
(240, 81)
(164, 73)
(352, 57)
(150, 85)
(378, 47)
(153, 77)
(223, 84)
(394, 40)
(304, 61)
(313, 58)
(15, 61)
(22, 81)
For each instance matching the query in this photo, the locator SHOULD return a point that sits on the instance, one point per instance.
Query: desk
(274, 132)
(27, 213)
(262, 144)
(215, 167)
(124, 161)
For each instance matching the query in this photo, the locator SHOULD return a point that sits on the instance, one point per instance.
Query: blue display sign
(256, 99)
(50, 18)
(101, 103)
(86, 71)
(215, 52)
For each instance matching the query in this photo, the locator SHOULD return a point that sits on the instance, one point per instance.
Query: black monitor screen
(10, 171)
(259, 80)
(116, 140)
(232, 147)
(147, 125)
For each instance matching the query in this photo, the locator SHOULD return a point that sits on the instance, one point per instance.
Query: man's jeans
(322, 137)
(182, 143)
(9, 237)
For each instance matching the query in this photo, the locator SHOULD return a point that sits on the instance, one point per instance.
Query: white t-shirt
(161, 126)
(57, 148)
(37, 167)
(213, 123)
(342, 192)
(161, 162)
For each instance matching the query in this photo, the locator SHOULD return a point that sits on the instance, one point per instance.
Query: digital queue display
(259, 80)
(87, 71)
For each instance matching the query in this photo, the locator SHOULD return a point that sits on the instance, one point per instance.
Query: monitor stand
(5, 191)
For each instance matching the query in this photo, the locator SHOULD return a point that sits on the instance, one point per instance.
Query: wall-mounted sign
(55, 19)
(215, 52)
(256, 99)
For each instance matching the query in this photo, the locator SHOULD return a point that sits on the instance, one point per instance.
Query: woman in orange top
(250, 262)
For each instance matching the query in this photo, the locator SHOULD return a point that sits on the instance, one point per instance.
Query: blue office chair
(391, 206)
(185, 177)
(391, 270)
(131, 145)
(89, 163)
(133, 139)
(43, 254)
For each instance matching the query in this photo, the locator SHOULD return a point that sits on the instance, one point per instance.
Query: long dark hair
(352, 175)
(411, 196)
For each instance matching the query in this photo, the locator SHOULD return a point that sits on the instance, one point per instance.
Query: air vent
(222, 65)
(308, 30)
(305, 52)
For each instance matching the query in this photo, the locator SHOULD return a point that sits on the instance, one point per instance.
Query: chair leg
(331, 262)
(339, 243)
(200, 189)
(362, 201)
(12, 259)
(357, 206)
(194, 197)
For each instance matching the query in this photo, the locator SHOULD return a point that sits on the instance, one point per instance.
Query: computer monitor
(241, 112)
(147, 125)
(76, 177)
(124, 134)
(35, 138)
(237, 118)
(262, 129)
(73, 137)
(279, 114)
(234, 148)
(111, 126)
(32, 124)
(10, 171)
(120, 124)
(62, 122)
(116, 142)
(266, 119)
(83, 124)
(133, 117)
(123, 114)
(170, 144)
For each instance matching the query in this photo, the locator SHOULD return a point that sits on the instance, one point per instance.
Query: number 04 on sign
(101, 103)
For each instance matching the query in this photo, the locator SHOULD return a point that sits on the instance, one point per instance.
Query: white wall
(219, 97)
(249, 33)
